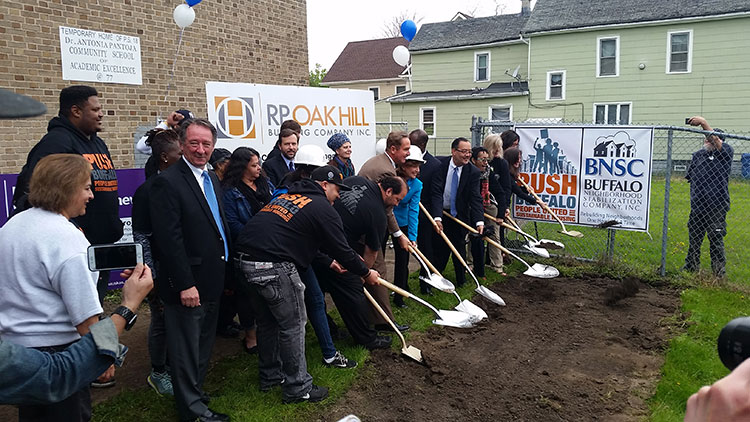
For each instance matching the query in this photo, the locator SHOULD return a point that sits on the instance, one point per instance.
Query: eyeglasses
(464, 151)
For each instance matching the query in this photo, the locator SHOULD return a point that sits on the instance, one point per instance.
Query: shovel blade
(549, 244)
(542, 271)
(475, 312)
(454, 319)
(490, 295)
(572, 233)
(439, 282)
(536, 251)
(413, 353)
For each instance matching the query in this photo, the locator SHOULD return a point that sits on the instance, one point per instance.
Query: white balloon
(401, 55)
(183, 15)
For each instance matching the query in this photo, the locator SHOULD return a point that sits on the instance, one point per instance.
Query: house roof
(552, 15)
(475, 31)
(366, 60)
(495, 90)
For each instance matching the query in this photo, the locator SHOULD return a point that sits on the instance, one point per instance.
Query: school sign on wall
(250, 115)
(588, 175)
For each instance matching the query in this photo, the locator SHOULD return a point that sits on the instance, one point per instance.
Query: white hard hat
(311, 155)
(380, 146)
(415, 154)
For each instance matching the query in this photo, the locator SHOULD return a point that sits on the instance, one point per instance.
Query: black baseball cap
(329, 174)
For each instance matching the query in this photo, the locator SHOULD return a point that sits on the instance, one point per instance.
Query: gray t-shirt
(46, 288)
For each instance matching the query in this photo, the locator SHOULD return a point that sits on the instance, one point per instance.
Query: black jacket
(294, 226)
(469, 206)
(101, 223)
(276, 169)
(188, 244)
(500, 184)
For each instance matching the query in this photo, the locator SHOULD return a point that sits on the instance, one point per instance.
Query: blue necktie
(454, 191)
(214, 205)
(291, 166)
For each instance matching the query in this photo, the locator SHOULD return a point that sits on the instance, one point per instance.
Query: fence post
(610, 244)
(665, 219)
(476, 131)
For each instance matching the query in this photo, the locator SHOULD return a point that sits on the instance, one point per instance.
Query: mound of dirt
(562, 349)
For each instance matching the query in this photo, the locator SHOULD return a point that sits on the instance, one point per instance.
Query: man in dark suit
(425, 231)
(455, 189)
(277, 167)
(190, 239)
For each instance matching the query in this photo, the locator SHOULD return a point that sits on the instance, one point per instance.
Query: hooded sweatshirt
(101, 223)
(294, 225)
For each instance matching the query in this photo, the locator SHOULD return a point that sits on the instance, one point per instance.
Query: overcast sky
(331, 24)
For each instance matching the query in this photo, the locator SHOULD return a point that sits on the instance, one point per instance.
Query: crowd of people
(229, 235)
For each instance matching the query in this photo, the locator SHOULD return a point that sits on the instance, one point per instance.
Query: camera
(734, 342)
(687, 120)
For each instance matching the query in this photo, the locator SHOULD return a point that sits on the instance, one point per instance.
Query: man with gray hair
(192, 249)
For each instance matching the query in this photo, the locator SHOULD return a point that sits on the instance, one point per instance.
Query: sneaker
(161, 383)
(316, 394)
(380, 342)
(105, 384)
(340, 361)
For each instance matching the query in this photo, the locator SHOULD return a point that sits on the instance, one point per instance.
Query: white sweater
(46, 288)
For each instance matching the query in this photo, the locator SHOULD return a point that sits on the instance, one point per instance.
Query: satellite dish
(515, 71)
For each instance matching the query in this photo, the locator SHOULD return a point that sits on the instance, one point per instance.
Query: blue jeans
(277, 295)
(316, 312)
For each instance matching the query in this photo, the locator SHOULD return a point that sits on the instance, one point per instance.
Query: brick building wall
(258, 41)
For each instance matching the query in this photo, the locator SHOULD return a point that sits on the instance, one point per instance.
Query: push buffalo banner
(587, 175)
(250, 115)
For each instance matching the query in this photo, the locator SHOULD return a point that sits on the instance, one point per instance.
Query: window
(608, 56)
(481, 67)
(502, 113)
(612, 114)
(679, 51)
(556, 85)
(400, 89)
(427, 120)
(376, 91)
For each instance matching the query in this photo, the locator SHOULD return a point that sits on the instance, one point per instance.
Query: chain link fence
(715, 179)
(382, 129)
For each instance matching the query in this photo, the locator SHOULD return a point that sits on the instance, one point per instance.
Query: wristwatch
(127, 314)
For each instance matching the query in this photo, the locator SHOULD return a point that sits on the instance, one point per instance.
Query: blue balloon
(192, 3)
(408, 29)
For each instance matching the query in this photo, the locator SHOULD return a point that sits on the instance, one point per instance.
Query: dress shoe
(211, 416)
(387, 327)
(401, 305)
(380, 342)
(249, 350)
(426, 291)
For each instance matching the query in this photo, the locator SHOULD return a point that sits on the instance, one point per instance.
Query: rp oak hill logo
(235, 117)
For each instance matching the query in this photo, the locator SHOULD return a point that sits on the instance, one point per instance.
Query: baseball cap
(219, 155)
(329, 174)
(187, 114)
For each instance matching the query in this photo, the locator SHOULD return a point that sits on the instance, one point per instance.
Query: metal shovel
(435, 279)
(537, 270)
(408, 351)
(466, 306)
(489, 294)
(540, 243)
(546, 207)
(531, 247)
(447, 318)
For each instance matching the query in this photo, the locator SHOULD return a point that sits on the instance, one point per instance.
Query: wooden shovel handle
(393, 287)
(504, 224)
(539, 200)
(444, 236)
(473, 230)
(513, 222)
(426, 261)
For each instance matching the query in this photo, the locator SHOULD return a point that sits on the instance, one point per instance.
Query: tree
(392, 27)
(317, 75)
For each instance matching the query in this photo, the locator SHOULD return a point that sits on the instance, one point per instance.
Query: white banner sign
(588, 175)
(94, 56)
(250, 115)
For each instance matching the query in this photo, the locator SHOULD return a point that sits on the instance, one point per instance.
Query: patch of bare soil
(570, 349)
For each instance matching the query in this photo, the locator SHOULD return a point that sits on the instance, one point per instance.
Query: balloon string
(174, 63)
